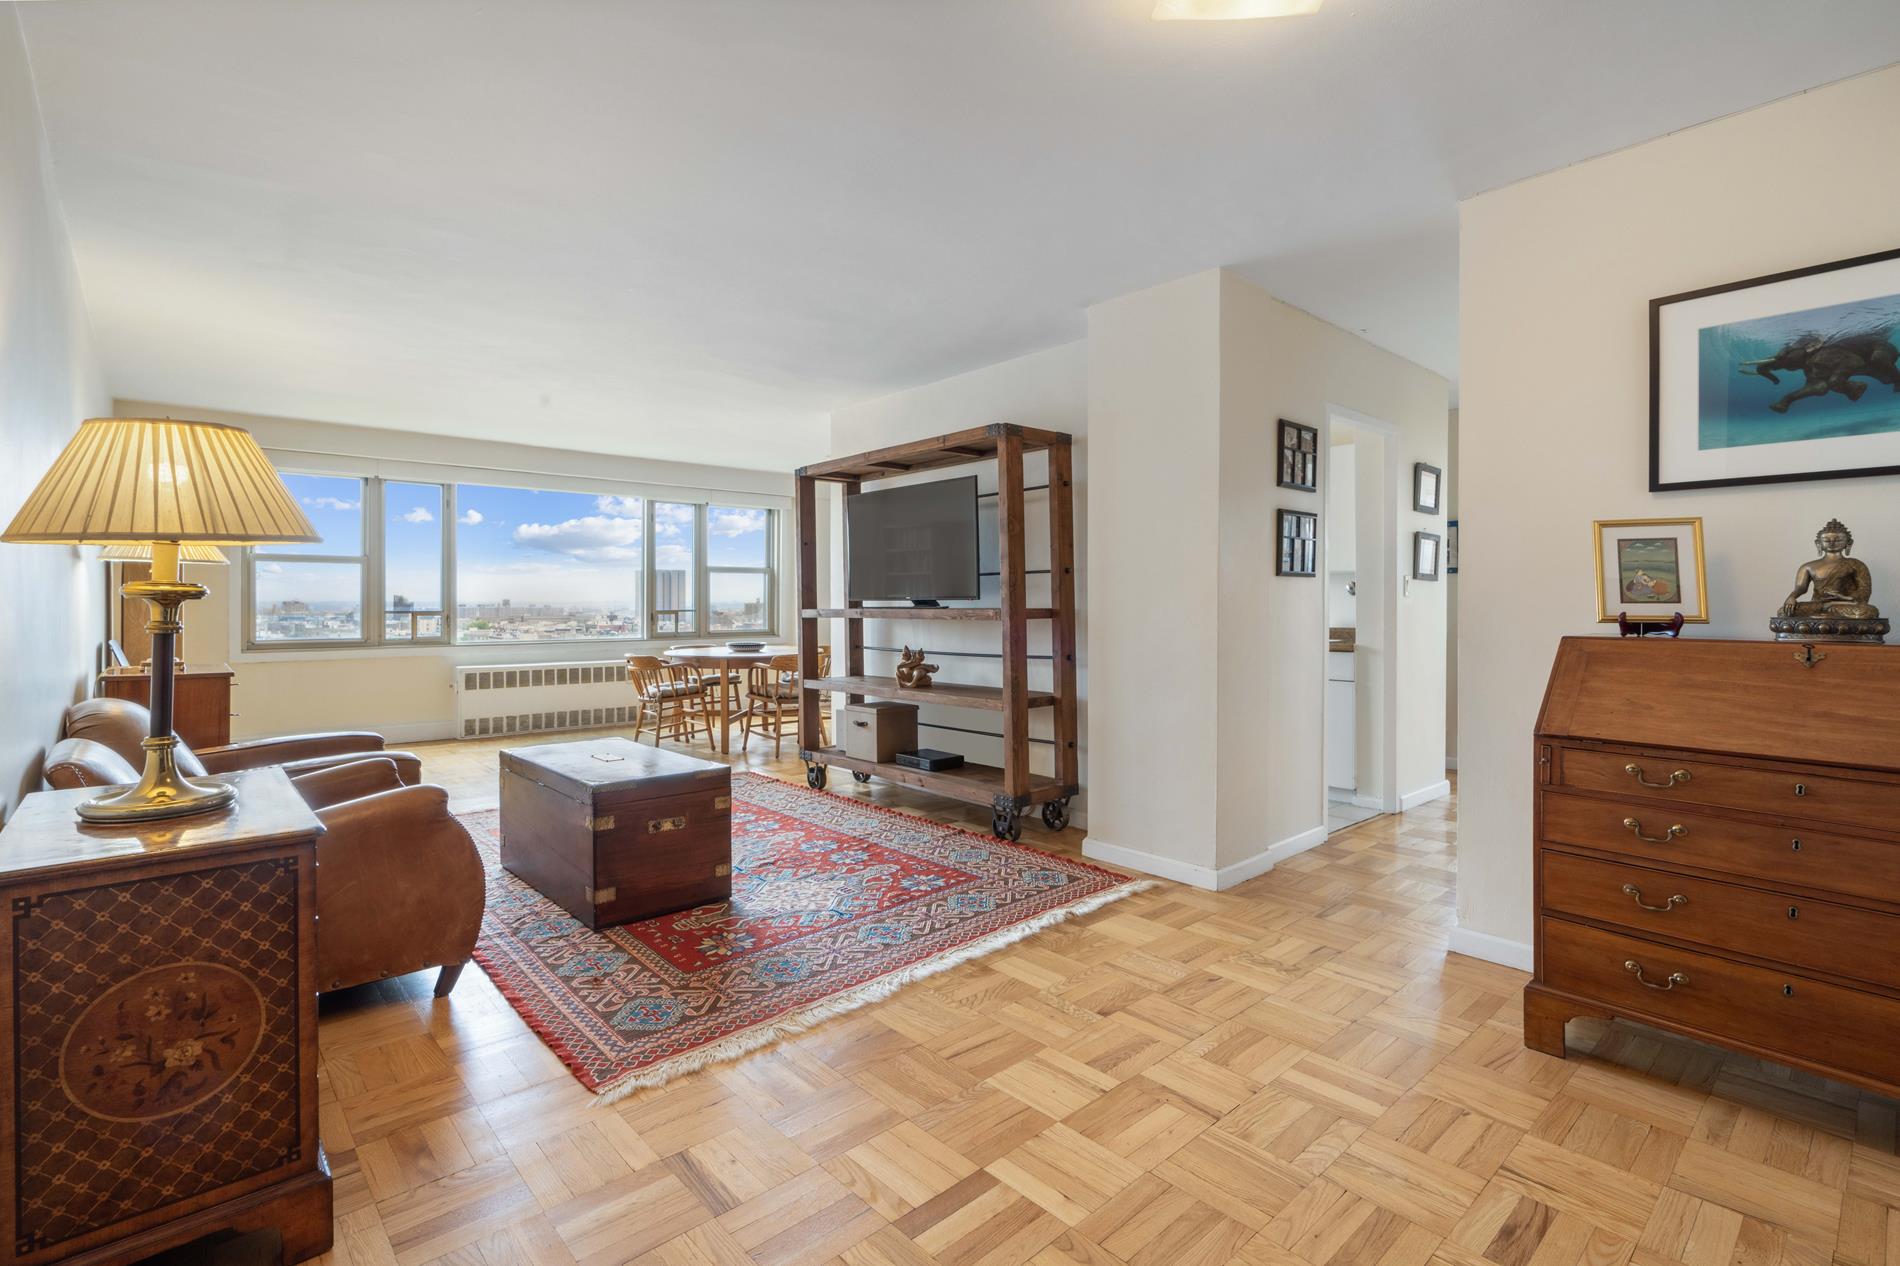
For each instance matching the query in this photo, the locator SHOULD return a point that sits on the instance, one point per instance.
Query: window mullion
(451, 602)
(373, 586)
(702, 617)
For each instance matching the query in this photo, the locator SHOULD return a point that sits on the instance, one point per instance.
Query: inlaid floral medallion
(159, 1042)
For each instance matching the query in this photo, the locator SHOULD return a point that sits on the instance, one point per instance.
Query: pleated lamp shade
(156, 479)
(143, 554)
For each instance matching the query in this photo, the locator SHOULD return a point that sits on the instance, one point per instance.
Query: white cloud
(470, 517)
(672, 557)
(595, 537)
(330, 503)
(730, 522)
(672, 521)
(619, 507)
(419, 515)
(275, 569)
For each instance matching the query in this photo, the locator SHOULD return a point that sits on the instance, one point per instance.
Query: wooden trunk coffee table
(611, 830)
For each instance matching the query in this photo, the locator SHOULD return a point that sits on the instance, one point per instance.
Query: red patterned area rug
(835, 904)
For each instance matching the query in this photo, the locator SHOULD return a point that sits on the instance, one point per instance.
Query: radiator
(537, 698)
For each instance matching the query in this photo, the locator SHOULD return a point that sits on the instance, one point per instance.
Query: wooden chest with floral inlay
(158, 992)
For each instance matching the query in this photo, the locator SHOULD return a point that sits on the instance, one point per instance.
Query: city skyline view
(530, 564)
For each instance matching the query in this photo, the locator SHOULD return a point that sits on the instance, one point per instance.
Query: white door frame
(1379, 567)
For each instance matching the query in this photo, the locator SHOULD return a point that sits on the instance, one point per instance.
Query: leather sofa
(122, 725)
(400, 886)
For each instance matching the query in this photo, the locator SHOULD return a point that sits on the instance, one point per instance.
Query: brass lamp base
(162, 792)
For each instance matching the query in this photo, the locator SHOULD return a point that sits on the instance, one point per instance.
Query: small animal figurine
(912, 672)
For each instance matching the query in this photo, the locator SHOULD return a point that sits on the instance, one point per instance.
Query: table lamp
(167, 485)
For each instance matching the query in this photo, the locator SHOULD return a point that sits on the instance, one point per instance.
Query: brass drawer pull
(657, 825)
(1636, 771)
(1664, 908)
(1674, 832)
(1635, 969)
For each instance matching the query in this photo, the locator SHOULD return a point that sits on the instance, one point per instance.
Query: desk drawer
(1817, 935)
(1753, 850)
(1846, 801)
(1778, 1011)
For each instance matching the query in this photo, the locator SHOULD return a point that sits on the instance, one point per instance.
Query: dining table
(724, 661)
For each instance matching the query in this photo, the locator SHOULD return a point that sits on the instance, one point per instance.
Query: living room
(659, 634)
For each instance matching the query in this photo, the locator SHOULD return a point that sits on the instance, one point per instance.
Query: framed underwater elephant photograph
(1777, 379)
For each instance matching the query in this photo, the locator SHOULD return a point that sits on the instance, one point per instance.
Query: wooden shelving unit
(1011, 789)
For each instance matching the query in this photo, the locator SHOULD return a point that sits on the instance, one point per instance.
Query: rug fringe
(794, 1023)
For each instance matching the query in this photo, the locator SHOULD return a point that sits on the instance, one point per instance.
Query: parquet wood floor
(1292, 1073)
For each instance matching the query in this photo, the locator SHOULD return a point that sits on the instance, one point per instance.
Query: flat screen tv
(916, 542)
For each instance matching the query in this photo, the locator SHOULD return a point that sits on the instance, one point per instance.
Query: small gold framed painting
(1650, 570)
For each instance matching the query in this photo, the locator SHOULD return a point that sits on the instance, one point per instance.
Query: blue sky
(520, 543)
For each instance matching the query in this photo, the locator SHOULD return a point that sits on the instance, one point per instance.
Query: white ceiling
(689, 228)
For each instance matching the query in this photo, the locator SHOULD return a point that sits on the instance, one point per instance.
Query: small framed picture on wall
(1299, 456)
(1427, 485)
(1426, 549)
(1299, 544)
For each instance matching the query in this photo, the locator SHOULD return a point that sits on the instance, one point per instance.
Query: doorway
(1361, 573)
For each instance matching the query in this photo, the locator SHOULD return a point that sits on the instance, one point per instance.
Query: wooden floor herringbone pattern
(1291, 1073)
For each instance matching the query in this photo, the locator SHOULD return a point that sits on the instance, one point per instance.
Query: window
(738, 569)
(314, 592)
(534, 566)
(412, 563)
(404, 563)
(675, 568)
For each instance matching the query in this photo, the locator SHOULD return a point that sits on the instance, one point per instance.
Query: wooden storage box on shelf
(1717, 836)
(878, 731)
(612, 831)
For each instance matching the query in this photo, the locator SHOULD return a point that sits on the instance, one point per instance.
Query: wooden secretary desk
(1717, 835)
(159, 998)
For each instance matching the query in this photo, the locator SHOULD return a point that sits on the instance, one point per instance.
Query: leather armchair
(400, 886)
(121, 725)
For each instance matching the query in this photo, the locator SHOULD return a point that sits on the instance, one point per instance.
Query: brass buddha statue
(1830, 598)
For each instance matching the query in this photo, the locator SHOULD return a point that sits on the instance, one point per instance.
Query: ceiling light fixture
(1231, 10)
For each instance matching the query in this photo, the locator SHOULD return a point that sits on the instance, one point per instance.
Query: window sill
(484, 652)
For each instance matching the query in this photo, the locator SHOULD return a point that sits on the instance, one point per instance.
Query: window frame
(769, 570)
(373, 564)
(446, 555)
(254, 555)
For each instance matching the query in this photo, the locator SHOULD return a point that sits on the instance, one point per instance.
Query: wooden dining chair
(772, 693)
(708, 678)
(671, 697)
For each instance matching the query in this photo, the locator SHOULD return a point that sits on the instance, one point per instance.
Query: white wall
(1556, 276)
(1209, 671)
(408, 693)
(1154, 534)
(49, 383)
(1046, 390)
(1451, 597)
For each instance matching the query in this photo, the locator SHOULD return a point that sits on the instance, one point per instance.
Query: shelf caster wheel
(815, 777)
(1055, 814)
(860, 776)
(1006, 824)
